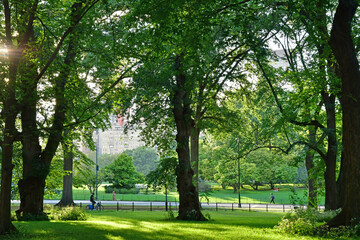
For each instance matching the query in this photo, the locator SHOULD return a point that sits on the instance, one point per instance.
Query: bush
(67, 214)
(204, 186)
(110, 189)
(30, 217)
(170, 215)
(54, 213)
(300, 226)
(312, 222)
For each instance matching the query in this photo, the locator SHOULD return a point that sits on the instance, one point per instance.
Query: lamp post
(238, 165)
(97, 166)
(239, 204)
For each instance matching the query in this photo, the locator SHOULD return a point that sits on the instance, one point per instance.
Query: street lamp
(97, 166)
(239, 205)
(238, 163)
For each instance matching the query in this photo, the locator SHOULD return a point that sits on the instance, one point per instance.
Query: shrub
(207, 216)
(300, 226)
(30, 217)
(67, 214)
(110, 189)
(170, 215)
(54, 213)
(312, 222)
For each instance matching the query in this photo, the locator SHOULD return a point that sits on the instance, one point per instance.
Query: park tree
(192, 51)
(85, 176)
(68, 148)
(70, 153)
(269, 167)
(164, 176)
(226, 166)
(145, 159)
(122, 173)
(104, 159)
(304, 41)
(21, 73)
(39, 91)
(343, 46)
(37, 162)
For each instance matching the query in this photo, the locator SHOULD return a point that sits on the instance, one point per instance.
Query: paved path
(244, 206)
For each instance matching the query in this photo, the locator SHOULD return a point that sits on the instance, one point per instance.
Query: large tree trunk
(36, 164)
(312, 191)
(9, 113)
(195, 155)
(340, 184)
(309, 164)
(31, 149)
(67, 194)
(189, 207)
(343, 48)
(331, 195)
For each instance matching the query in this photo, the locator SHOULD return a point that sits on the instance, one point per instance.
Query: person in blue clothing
(92, 200)
(272, 197)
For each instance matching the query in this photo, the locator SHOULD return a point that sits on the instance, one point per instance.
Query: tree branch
(99, 97)
(65, 34)
(308, 123)
(231, 5)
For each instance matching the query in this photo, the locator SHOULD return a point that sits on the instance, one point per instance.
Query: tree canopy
(180, 70)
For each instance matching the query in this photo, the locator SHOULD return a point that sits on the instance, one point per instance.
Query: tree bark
(9, 113)
(7, 166)
(309, 163)
(340, 183)
(67, 194)
(331, 195)
(189, 207)
(343, 47)
(37, 163)
(195, 155)
(31, 148)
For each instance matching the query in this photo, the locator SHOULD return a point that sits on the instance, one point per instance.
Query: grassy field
(156, 225)
(217, 195)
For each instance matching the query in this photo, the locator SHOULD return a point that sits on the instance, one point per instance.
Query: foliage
(170, 215)
(295, 199)
(55, 177)
(205, 191)
(145, 159)
(103, 159)
(268, 167)
(306, 222)
(263, 166)
(110, 189)
(74, 213)
(164, 176)
(122, 174)
(84, 174)
(17, 171)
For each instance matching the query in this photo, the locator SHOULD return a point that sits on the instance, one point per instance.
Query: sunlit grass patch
(127, 225)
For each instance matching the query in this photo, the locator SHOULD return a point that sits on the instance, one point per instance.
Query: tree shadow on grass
(141, 226)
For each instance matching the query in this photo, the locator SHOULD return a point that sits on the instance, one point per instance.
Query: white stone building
(114, 140)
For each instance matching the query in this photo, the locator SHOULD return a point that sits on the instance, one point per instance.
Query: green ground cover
(110, 225)
(248, 195)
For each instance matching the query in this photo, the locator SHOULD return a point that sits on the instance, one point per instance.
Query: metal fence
(173, 206)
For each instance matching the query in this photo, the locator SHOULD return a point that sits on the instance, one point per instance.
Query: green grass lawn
(110, 225)
(219, 195)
